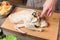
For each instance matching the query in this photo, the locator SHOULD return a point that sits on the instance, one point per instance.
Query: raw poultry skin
(27, 18)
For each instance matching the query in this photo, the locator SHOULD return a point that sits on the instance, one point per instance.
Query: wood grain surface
(49, 33)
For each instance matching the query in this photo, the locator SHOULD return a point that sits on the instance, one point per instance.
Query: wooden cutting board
(49, 33)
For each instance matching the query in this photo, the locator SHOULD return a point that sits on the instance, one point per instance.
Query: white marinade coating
(27, 17)
(22, 15)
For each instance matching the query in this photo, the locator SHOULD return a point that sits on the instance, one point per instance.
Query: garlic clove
(43, 23)
(34, 19)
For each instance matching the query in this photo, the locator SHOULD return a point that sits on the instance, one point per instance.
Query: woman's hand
(48, 7)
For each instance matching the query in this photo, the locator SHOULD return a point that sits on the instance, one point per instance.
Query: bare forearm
(54, 1)
(51, 0)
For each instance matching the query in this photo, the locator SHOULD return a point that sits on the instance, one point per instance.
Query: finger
(50, 10)
(43, 12)
(50, 13)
